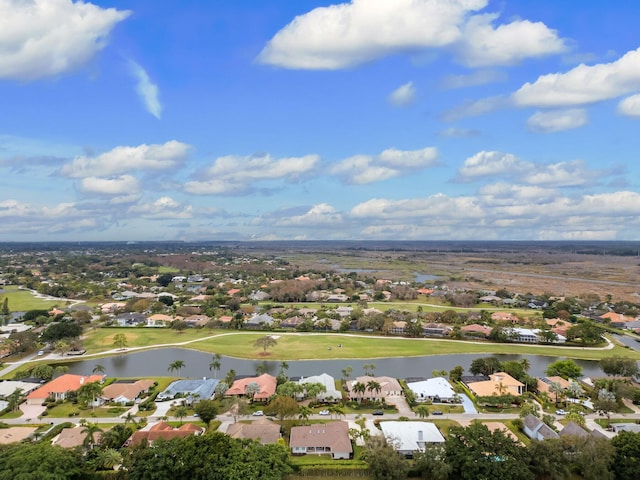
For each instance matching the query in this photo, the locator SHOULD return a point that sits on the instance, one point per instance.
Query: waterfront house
(433, 389)
(58, 388)
(266, 387)
(331, 438)
(409, 437)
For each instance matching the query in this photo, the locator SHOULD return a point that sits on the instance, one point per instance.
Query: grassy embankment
(319, 346)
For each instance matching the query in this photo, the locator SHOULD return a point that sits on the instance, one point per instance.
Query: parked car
(437, 412)
(258, 413)
(377, 412)
(324, 412)
(561, 412)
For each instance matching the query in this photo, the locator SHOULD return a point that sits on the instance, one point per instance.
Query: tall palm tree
(90, 431)
(374, 386)
(130, 418)
(89, 392)
(176, 366)
(556, 388)
(284, 366)
(359, 388)
(215, 364)
(98, 369)
(526, 364)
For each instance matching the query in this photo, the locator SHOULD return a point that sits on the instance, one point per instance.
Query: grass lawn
(319, 346)
(23, 300)
(67, 409)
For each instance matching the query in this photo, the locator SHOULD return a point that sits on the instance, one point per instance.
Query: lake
(155, 363)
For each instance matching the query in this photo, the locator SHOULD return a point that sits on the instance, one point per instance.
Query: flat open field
(309, 346)
(23, 300)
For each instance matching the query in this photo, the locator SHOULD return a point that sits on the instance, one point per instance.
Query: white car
(561, 412)
(258, 413)
(324, 412)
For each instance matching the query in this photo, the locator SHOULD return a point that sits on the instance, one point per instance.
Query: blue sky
(369, 119)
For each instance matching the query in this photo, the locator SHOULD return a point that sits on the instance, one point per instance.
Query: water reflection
(156, 363)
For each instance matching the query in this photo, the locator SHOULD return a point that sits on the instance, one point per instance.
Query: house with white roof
(331, 394)
(433, 389)
(409, 437)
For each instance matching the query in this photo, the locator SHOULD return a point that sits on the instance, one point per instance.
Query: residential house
(126, 391)
(191, 389)
(164, 431)
(266, 387)
(573, 429)
(7, 387)
(331, 394)
(476, 330)
(500, 383)
(259, 296)
(504, 317)
(536, 429)
(260, 321)
(337, 298)
(73, 437)
(131, 319)
(531, 335)
(437, 329)
(433, 389)
(292, 322)
(159, 320)
(544, 383)
(390, 388)
(59, 387)
(262, 432)
(616, 319)
(397, 327)
(331, 438)
(197, 320)
(410, 437)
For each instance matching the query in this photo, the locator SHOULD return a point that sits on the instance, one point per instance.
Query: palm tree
(89, 392)
(14, 399)
(369, 368)
(98, 369)
(337, 410)
(346, 373)
(215, 364)
(422, 411)
(359, 387)
(526, 364)
(176, 366)
(109, 458)
(90, 430)
(284, 366)
(374, 386)
(180, 413)
(555, 387)
(130, 418)
(304, 413)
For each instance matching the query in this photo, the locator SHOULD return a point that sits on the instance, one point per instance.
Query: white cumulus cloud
(349, 34)
(583, 84)
(162, 208)
(236, 174)
(557, 120)
(120, 185)
(147, 90)
(390, 163)
(40, 38)
(484, 164)
(630, 106)
(404, 95)
(125, 159)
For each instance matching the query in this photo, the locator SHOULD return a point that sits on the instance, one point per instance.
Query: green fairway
(312, 346)
(23, 300)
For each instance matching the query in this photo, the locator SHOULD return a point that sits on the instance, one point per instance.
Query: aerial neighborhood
(263, 308)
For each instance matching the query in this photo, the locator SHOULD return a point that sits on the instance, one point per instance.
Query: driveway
(467, 404)
(31, 411)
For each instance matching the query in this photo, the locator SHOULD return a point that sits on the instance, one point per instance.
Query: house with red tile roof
(266, 387)
(164, 431)
(58, 388)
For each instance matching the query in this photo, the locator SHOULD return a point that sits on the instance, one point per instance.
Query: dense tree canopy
(39, 461)
(61, 330)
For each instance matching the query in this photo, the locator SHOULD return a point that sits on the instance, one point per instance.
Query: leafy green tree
(120, 341)
(265, 343)
(455, 374)
(383, 461)
(619, 366)
(474, 452)
(230, 377)
(5, 313)
(304, 413)
(45, 372)
(89, 392)
(251, 389)
(431, 463)
(548, 460)
(61, 330)
(221, 388)
(108, 459)
(290, 389)
(485, 366)
(206, 410)
(40, 461)
(180, 413)
(564, 368)
(283, 407)
(115, 437)
(626, 460)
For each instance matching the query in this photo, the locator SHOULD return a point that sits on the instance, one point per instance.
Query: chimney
(420, 436)
(81, 380)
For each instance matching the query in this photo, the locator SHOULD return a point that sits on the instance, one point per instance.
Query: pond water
(423, 277)
(154, 363)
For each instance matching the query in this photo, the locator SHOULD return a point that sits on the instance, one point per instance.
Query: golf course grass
(323, 346)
